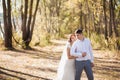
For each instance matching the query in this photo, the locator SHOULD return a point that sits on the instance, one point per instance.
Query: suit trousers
(83, 65)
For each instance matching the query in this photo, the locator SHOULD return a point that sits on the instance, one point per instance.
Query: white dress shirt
(80, 46)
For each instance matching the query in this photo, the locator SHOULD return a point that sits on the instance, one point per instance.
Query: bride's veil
(62, 62)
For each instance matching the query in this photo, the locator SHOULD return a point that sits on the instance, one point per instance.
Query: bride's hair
(69, 39)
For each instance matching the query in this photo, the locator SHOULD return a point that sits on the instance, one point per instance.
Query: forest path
(41, 63)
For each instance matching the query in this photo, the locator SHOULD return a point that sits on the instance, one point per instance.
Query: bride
(66, 68)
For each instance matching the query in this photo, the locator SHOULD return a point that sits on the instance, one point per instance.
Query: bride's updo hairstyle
(70, 36)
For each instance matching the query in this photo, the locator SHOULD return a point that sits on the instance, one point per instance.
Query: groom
(82, 49)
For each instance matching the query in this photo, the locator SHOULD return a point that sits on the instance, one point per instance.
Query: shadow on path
(20, 78)
(36, 53)
(107, 67)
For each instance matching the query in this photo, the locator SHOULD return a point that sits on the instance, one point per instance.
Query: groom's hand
(92, 64)
(83, 54)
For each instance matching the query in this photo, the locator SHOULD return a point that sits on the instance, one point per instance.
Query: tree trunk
(29, 18)
(81, 14)
(7, 24)
(85, 22)
(24, 21)
(105, 19)
(113, 20)
(112, 26)
(89, 14)
(34, 17)
(28, 25)
(111, 17)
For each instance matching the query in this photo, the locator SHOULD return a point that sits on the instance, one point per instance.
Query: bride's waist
(71, 60)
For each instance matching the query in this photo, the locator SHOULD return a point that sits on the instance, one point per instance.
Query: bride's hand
(76, 57)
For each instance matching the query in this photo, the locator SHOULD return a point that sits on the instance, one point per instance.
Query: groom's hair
(78, 31)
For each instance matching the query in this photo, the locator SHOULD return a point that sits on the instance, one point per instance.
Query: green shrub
(99, 42)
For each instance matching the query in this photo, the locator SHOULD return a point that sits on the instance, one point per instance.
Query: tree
(112, 26)
(28, 21)
(105, 19)
(7, 23)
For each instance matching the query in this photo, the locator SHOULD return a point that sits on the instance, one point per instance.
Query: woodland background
(33, 34)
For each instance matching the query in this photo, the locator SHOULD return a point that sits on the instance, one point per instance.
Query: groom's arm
(91, 53)
(74, 52)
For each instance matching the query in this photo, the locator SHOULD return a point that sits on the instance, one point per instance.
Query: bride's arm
(68, 54)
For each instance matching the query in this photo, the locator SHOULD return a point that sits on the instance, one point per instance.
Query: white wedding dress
(66, 68)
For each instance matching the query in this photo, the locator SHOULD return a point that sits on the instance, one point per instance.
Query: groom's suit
(78, 47)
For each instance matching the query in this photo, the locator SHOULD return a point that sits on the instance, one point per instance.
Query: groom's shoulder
(76, 41)
(87, 39)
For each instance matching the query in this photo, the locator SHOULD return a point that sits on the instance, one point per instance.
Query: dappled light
(39, 36)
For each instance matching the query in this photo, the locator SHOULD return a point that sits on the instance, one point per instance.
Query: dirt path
(41, 64)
